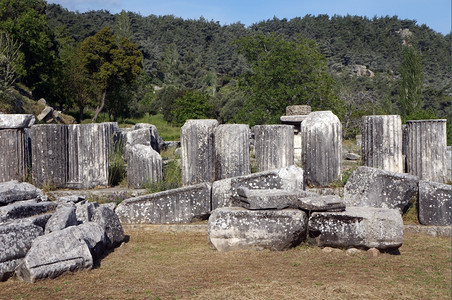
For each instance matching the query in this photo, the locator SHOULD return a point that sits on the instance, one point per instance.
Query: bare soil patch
(155, 265)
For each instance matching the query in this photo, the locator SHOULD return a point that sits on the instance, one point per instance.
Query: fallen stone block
(358, 227)
(156, 141)
(434, 203)
(182, 205)
(144, 166)
(71, 199)
(12, 191)
(85, 211)
(379, 188)
(62, 218)
(55, 253)
(321, 203)
(16, 121)
(235, 228)
(269, 199)
(95, 237)
(25, 209)
(225, 191)
(109, 221)
(15, 241)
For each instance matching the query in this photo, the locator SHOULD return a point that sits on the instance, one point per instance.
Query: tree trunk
(80, 116)
(99, 108)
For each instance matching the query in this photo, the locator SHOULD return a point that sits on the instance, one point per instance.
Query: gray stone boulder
(62, 218)
(225, 191)
(321, 203)
(434, 203)
(269, 199)
(55, 253)
(24, 209)
(379, 188)
(144, 166)
(95, 237)
(109, 221)
(15, 241)
(70, 200)
(182, 205)
(156, 141)
(236, 228)
(16, 121)
(85, 211)
(12, 191)
(358, 227)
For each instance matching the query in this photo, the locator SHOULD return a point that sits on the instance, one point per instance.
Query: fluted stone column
(426, 149)
(232, 151)
(49, 154)
(13, 156)
(144, 166)
(321, 137)
(382, 142)
(274, 146)
(198, 151)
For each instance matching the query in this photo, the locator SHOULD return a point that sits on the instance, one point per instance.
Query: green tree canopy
(192, 105)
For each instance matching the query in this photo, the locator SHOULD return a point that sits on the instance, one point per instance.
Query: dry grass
(182, 266)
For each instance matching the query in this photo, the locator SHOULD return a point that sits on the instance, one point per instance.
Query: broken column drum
(426, 149)
(49, 154)
(273, 146)
(13, 155)
(321, 138)
(382, 142)
(198, 151)
(144, 166)
(232, 151)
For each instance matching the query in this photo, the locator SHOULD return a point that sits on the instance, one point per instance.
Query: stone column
(13, 155)
(49, 154)
(426, 149)
(274, 146)
(321, 137)
(198, 151)
(382, 142)
(232, 151)
(144, 166)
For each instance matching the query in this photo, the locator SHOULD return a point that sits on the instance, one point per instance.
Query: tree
(9, 60)
(192, 105)
(109, 64)
(283, 73)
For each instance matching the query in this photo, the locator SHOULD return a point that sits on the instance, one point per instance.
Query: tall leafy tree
(109, 64)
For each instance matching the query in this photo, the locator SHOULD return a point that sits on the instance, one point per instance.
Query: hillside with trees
(198, 68)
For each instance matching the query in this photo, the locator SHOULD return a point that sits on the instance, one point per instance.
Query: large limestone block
(434, 203)
(12, 191)
(85, 211)
(268, 199)
(95, 237)
(15, 241)
(225, 191)
(381, 189)
(182, 205)
(144, 166)
(49, 154)
(321, 155)
(358, 227)
(232, 151)
(382, 142)
(235, 228)
(16, 121)
(53, 254)
(198, 151)
(13, 155)
(273, 146)
(25, 209)
(109, 221)
(156, 140)
(62, 218)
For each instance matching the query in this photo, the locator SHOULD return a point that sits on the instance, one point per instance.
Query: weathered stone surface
(232, 151)
(267, 199)
(16, 121)
(144, 166)
(382, 142)
(137, 136)
(62, 218)
(358, 227)
(224, 191)
(12, 191)
(434, 203)
(15, 241)
(109, 221)
(381, 189)
(156, 140)
(352, 156)
(273, 146)
(182, 205)
(293, 110)
(95, 237)
(24, 209)
(85, 211)
(53, 254)
(49, 154)
(13, 155)
(293, 120)
(46, 114)
(321, 203)
(321, 140)
(426, 150)
(198, 151)
(235, 228)
(70, 199)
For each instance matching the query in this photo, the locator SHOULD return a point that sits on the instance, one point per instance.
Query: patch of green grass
(172, 179)
(167, 131)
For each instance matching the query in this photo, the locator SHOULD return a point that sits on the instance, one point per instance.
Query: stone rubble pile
(44, 239)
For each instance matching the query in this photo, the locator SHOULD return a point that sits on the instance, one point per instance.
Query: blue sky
(434, 13)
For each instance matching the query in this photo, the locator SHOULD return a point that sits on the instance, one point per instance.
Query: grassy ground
(182, 266)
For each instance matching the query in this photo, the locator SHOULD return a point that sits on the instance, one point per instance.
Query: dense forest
(198, 68)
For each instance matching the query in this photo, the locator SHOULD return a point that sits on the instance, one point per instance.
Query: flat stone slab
(321, 203)
(267, 199)
(358, 227)
(12, 191)
(25, 209)
(16, 121)
(182, 205)
(434, 203)
(236, 228)
(62, 218)
(296, 119)
(372, 187)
